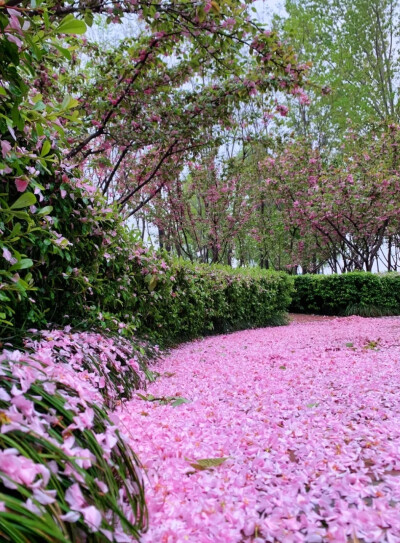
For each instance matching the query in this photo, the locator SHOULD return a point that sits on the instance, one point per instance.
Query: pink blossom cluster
(111, 366)
(307, 420)
(55, 399)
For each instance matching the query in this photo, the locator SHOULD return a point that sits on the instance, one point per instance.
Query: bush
(113, 365)
(94, 272)
(175, 301)
(356, 293)
(67, 474)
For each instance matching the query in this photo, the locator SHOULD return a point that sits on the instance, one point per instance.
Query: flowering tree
(127, 117)
(152, 102)
(349, 203)
(202, 216)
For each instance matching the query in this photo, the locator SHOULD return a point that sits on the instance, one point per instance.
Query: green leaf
(23, 215)
(207, 463)
(45, 148)
(148, 398)
(152, 283)
(22, 264)
(69, 102)
(39, 106)
(179, 401)
(65, 53)
(45, 210)
(27, 199)
(15, 231)
(89, 17)
(70, 25)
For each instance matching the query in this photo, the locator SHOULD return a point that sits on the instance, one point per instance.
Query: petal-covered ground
(309, 418)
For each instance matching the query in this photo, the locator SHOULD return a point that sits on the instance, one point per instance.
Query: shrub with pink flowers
(106, 278)
(113, 365)
(66, 471)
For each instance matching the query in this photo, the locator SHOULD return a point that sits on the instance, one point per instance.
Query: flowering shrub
(66, 472)
(357, 293)
(64, 270)
(112, 365)
(103, 276)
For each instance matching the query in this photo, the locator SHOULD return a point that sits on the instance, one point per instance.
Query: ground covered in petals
(308, 419)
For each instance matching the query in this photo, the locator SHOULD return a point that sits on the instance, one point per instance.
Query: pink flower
(45, 497)
(8, 256)
(92, 517)
(15, 40)
(71, 516)
(84, 420)
(21, 183)
(24, 405)
(5, 147)
(282, 110)
(74, 497)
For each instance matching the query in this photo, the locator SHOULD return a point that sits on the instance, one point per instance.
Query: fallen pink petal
(308, 415)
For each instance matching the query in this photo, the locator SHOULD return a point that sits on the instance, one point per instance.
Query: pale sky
(267, 8)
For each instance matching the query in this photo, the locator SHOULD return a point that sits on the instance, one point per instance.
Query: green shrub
(101, 276)
(179, 300)
(356, 293)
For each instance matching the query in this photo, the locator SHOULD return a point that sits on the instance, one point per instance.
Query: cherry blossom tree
(349, 203)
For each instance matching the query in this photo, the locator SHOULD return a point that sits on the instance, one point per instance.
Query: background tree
(354, 50)
(349, 203)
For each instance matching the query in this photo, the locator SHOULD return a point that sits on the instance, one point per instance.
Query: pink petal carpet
(308, 419)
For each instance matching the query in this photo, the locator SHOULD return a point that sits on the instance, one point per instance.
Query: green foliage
(207, 463)
(175, 401)
(53, 260)
(355, 65)
(95, 272)
(190, 300)
(356, 293)
(32, 129)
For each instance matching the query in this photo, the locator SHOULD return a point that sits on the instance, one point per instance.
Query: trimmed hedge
(98, 274)
(216, 299)
(187, 300)
(355, 293)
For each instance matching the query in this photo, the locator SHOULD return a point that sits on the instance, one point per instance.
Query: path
(309, 416)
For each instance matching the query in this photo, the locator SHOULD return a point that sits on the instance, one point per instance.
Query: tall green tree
(354, 48)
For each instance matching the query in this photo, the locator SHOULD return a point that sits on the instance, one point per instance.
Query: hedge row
(356, 293)
(102, 275)
(187, 300)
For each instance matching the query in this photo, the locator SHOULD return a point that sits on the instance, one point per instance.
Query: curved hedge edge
(195, 300)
